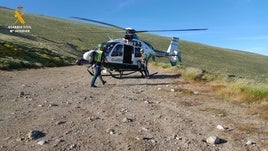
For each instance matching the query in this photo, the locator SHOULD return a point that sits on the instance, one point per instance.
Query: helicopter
(123, 55)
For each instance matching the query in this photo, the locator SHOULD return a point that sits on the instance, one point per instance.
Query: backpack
(89, 56)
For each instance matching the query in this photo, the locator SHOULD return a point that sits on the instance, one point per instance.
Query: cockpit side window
(108, 48)
(118, 51)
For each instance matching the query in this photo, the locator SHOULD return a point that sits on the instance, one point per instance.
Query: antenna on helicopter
(110, 38)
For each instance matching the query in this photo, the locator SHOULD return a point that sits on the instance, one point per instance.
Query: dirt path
(162, 113)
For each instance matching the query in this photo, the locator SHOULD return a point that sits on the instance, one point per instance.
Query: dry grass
(260, 109)
(190, 103)
(244, 91)
(217, 112)
(235, 90)
(241, 91)
(246, 127)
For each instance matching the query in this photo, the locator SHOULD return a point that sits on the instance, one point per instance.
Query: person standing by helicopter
(98, 60)
(144, 63)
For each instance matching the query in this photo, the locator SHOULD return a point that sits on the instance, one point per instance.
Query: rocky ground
(55, 109)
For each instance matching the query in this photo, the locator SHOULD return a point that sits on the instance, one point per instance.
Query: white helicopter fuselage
(126, 52)
(125, 55)
(123, 51)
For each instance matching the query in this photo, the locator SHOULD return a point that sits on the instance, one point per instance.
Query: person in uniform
(144, 63)
(98, 59)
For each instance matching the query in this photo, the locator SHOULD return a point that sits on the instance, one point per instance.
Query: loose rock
(73, 146)
(22, 94)
(196, 93)
(249, 142)
(34, 134)
(53, 105)
(220, 127)
(110, 131)
(148, 102)
(42, 142)
(213, 140)
(127, 120)
(145, 129)
(60, 122)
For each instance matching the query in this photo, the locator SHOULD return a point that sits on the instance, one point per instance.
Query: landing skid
(116, 76)
(153, 74)
(120, 75)
(90, 70)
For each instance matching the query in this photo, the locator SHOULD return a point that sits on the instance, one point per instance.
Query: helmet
(141, 50)
(101, 46)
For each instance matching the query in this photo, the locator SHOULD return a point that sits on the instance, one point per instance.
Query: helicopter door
(128, 51)
(117, 54)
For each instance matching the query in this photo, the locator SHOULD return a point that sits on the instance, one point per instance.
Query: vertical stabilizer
(173, 51)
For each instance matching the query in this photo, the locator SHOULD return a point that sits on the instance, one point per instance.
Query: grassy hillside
(217, 60)
(57, 42)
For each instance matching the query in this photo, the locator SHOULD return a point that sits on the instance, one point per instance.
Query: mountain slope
(59, 42)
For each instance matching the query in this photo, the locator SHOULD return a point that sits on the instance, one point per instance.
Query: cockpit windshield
(108, 47)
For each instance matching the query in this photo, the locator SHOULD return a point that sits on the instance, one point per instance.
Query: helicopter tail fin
(173, 51)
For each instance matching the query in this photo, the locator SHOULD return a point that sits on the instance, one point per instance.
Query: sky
(234, 24)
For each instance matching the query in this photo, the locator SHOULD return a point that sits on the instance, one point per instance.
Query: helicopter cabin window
(136, 43)
(109, 47)
(118, 51)
(137, 52)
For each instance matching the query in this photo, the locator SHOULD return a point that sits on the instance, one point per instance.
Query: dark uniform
(144, 63)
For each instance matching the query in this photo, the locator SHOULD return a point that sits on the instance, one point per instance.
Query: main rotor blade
(141, 31)
(99, 22)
